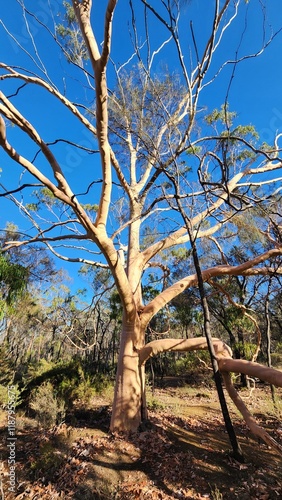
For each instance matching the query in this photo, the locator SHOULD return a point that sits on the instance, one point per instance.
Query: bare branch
(246, 269)
(244, 309)
(249, 419)
(180, 345)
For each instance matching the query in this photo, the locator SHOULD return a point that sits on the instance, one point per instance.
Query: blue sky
(255, 92)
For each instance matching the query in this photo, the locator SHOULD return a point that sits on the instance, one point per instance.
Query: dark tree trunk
(268, 341)
(237, 452)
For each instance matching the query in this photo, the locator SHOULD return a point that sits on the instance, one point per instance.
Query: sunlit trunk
(129, 406)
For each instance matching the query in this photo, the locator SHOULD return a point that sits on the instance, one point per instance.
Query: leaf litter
(176, 456)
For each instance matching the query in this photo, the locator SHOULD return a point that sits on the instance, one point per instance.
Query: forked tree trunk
(129, 406)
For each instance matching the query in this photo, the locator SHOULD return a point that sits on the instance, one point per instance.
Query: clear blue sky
(255, 92)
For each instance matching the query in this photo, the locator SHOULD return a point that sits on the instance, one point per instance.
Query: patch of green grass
(155, 404)
(47, 463)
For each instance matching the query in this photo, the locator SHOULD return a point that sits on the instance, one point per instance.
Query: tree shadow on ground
(193, 458)
(190, 458)
(173, 457)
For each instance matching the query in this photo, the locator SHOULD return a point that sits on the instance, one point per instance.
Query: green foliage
(82, 387)
(90, 207)
(49, 409)
(246, 349)
(44, 197)
(37, 369)
(70, 14)
(82, 392)
(150, 235)
(7, 369)
(246, 130)
(73, 385)
(149, 292)
(101, 383)
(55, 373)
(276, 359)
(276, 355)
(189, 362)
(154, 404)
(233, 149)
(70, 36)
(4, 397)
(13, 282)
(11, 232)
(235, 318)
(115, 306)
(268, 148)
(32, 262)
(193, 150)
(60, 386)
(245, 154)
(45, 192)
(221, 115)
(33, 207)
(279, 347)
(142, 105)
(179, 254)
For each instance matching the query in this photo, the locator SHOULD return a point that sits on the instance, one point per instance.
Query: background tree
(13, 278)
(149, 124)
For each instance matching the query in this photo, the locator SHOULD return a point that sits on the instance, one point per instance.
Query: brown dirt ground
(184, 453)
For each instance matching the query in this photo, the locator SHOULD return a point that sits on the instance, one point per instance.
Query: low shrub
(278, 347)
(49, 409)
(56, 388)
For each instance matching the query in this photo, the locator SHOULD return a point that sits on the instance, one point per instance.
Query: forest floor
(184, 453)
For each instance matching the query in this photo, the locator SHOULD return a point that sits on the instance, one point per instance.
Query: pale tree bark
(129, 379)
(226, 365)
(128, 358)
(248, 417)
(135, 158)
(249, 268)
